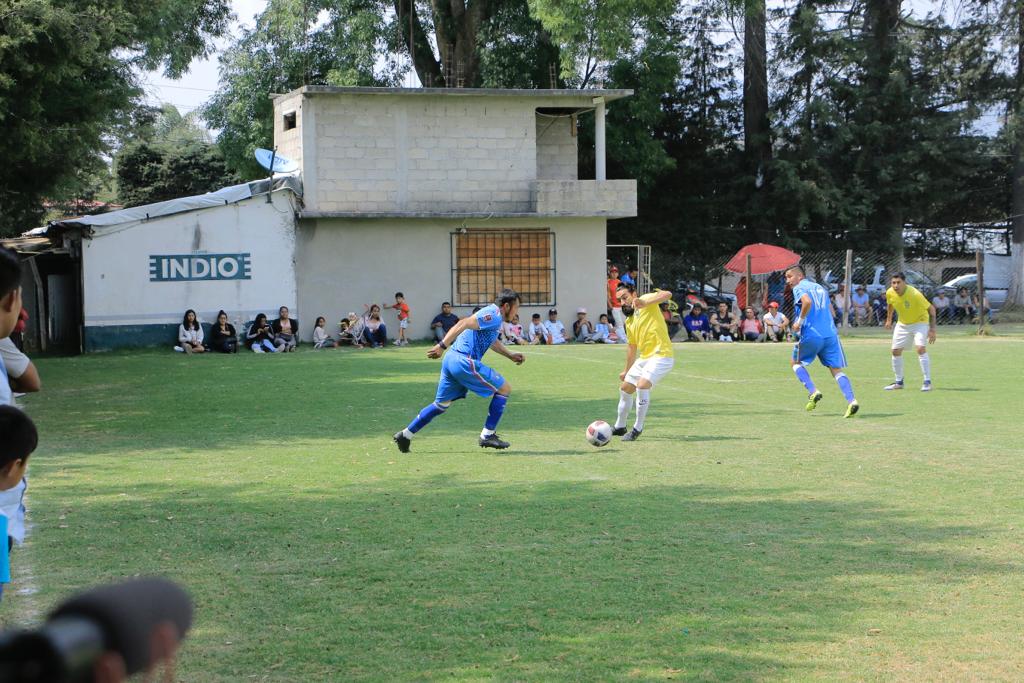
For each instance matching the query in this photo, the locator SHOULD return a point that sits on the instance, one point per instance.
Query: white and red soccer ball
(599, 433)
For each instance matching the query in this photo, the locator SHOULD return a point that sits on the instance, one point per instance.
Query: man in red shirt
(614, 306)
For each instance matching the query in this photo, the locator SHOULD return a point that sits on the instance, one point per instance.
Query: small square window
(289, 120)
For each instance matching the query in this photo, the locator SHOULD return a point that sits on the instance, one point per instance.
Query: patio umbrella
(764, 258)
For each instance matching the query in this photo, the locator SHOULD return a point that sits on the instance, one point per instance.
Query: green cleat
(852, 409)
(812, 401)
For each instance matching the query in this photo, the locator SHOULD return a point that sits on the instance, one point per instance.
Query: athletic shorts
(902, 334)
(652, 369)
(403, 324)
(827, 350)
(461, 374)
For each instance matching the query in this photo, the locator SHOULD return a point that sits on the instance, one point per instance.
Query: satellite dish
(273, 162)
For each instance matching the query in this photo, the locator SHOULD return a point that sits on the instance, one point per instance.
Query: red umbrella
(764, 258)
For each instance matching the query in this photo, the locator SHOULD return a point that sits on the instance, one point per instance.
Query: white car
(996, 295)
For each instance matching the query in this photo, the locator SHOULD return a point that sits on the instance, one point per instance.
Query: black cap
(552, 311)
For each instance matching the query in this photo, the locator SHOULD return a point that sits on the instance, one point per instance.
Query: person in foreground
(462, 371)
(916, 321)
(647, 334)
(20, 440)
(817, 337)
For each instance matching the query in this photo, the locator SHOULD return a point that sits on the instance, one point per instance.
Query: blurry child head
(20, 440)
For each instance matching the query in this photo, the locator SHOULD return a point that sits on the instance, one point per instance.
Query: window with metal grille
(486, 261)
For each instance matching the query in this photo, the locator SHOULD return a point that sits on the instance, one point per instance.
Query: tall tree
(757, 134)
(1015, 11)
(67, 81)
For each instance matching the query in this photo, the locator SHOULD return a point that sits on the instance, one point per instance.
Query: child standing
(20, 440)
(403, 318)
(322, 340)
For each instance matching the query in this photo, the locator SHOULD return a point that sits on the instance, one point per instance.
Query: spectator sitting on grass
(776, 325)
(351, 331)
(512, 332)
(223, 337)
(190, 334)
(443, 321)
(582, 329)
(723, 325)
(963, 305)
(943, 308)
(670, 311)
(375, 332)
(322, 340)
(861, 303)
(603, 330)
(554, 329)
(286, 331)
(259, 338)
(750, 326)
(698, 327)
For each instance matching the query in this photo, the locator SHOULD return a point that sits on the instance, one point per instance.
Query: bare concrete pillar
(599, 153)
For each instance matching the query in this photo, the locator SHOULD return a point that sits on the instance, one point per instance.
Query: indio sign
(185, 267)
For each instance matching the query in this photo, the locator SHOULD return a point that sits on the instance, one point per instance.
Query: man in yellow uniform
(646, 335)
(916, 321)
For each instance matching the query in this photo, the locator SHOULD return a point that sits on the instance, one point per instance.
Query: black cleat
(618, 431)
(402, 441)
(493, 441)
(633, 435)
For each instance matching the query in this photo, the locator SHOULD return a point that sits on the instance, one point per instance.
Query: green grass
(740, 538)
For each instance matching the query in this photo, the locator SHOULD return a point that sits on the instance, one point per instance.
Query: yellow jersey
(911, 308)
(646, 329)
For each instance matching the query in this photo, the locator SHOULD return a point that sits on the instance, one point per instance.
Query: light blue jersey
(474, 343)
(818, 320)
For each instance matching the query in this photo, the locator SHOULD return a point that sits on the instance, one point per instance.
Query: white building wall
(346, 263)
(117, 286)
(557, 157)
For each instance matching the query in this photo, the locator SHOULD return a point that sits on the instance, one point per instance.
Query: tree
(67, 81)
(1015, 296)
(170, 157)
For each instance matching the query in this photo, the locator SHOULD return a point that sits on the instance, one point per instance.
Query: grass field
(740, 538)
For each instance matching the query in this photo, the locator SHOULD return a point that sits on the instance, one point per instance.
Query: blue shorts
(827, 350)
(460, 374)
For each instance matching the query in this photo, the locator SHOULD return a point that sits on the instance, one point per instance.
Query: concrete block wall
(557, 157)
(289, 142)
(422, 154)
(610, 198)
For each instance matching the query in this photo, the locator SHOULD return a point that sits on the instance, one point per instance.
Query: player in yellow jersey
(916, 322)
(649, 355)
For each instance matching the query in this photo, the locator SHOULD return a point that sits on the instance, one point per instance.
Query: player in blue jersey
(817, 337)
(462, 371)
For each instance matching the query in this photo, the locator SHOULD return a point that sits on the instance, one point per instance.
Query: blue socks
(494, 412)
(425, 416)
(805, 377)
(844, 385)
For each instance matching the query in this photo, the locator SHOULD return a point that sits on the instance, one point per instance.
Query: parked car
(996, 295)
(875, 280)
(709, 294)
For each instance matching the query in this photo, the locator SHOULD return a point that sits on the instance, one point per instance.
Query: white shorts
(403, 324)
(652, 369)
(902, 334)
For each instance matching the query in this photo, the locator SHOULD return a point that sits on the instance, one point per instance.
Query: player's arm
(630, 358)
(28, 381)
(467, 323)
(805, 308)
(652, 299)
(501, 349)
(888, 314)
(931, 323)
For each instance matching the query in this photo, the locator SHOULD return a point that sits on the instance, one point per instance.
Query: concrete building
(443, 194)
(448, 194)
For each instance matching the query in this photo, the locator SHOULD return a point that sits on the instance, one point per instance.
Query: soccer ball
(599, 433)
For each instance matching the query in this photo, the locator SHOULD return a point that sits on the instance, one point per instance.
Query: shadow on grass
(439, 577)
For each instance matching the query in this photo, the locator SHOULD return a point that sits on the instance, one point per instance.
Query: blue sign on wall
(185, 267)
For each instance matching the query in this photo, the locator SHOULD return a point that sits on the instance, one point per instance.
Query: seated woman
(286, 331)
(750, 327)
(375, 332)
(260, 335)
(351, 331)
(190, 334)
(223, 337)
(322, 340)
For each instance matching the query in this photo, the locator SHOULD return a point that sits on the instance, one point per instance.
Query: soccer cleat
(402, 441)
(852, 409)
(493, 441)
(633, 435)
(927, 386)
(812, 401)
(894, 386)
(618, 431)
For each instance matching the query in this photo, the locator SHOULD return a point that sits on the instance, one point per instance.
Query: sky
(199, 84)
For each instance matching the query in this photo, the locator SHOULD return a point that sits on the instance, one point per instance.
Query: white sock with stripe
(625, 400)
(926, 366)
(897, 367)
(643, 402)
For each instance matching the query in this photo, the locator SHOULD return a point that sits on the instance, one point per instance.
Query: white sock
(625, 400)
(643, 401)
(485, 432)
(407, 434)
(926, 366)
(897, 367)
